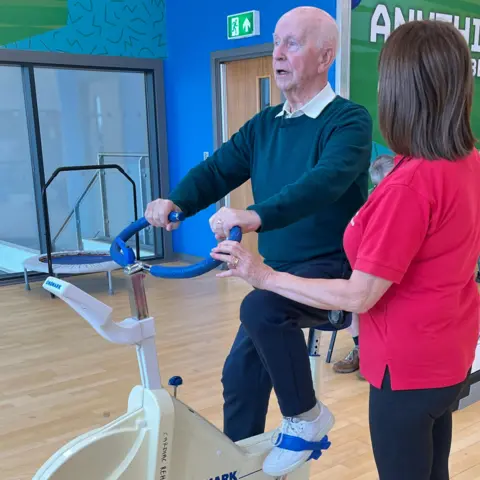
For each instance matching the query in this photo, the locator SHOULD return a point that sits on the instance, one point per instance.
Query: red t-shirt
(420, 229)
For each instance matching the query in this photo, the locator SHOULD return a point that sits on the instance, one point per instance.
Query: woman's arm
(358, 294)
(391, 238)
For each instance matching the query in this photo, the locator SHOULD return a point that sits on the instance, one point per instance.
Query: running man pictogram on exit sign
(243, 25)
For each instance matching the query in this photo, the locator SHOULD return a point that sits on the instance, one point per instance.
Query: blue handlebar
(123, 255)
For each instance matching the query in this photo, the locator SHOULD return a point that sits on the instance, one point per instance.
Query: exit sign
(243, 25)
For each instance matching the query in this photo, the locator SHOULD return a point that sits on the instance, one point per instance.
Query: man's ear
(327, 57)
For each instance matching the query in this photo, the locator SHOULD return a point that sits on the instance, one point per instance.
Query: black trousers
(270, 351)
(411, 431)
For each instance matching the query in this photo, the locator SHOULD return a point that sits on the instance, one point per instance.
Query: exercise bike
(159, 437)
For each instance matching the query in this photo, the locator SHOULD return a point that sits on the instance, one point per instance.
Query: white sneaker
(287, 454)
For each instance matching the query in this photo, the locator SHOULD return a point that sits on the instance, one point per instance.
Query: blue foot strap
(296, 444)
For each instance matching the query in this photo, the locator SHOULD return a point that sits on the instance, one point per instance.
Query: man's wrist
(179, 206)
(257, 218)
(256, 222)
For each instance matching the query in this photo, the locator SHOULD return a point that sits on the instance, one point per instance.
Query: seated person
(379, 169)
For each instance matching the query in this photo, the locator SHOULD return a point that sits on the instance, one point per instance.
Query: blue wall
(134, 28)
(194, 30)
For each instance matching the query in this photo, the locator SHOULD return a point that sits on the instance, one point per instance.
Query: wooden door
(250, 87)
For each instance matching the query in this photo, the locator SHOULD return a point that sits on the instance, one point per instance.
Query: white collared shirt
(314, 107)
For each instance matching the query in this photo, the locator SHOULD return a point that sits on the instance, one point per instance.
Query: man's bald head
(306, 40)
(317, 24)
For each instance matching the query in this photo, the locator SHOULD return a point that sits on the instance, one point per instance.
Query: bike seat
(338, 320)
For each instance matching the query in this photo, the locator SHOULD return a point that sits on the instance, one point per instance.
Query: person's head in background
(305, 46)
(380, 168)
(426, 91)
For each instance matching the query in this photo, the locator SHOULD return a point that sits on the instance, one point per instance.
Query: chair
(343, 319)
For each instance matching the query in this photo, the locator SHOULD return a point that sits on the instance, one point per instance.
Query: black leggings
(411, 431)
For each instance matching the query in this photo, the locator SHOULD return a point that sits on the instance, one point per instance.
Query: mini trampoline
(72, 263)
(76, 262)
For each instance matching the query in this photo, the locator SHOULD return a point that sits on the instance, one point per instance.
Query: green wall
(372, 21)
(27, 18)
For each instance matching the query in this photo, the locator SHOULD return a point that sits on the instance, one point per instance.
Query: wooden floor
(58, 378)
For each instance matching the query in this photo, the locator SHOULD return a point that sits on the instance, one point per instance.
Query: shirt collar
(314, 107)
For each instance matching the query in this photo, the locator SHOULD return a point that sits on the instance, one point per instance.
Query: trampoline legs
(110, 283)
(25, 275)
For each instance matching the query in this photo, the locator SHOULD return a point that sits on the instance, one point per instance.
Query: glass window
(90, 117)
(19, 236)
(264, 92)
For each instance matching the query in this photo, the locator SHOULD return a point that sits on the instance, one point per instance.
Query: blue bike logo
(226, 476)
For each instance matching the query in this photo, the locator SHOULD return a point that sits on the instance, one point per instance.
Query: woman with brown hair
(413, 248)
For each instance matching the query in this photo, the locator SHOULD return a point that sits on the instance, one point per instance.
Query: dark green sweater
(309, 178)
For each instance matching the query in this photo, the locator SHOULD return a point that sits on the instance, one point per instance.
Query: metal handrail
(100, 174)
(103, 195)
(75, 211)
(82, 168)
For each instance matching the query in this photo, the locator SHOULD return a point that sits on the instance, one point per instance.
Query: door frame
(217, 59)
(342, 62)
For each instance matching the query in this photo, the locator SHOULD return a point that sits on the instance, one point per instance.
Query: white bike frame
(159, 437)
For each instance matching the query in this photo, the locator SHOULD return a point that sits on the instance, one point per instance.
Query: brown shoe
(350, 364)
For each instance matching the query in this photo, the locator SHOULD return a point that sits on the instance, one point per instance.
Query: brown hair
(426, 91)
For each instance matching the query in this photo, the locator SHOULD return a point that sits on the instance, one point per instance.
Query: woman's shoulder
(409, 170)
(431, 178)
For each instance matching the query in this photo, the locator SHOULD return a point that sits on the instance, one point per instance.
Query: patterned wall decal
(134, 28)
(26, 18)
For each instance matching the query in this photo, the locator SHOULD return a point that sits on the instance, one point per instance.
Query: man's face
(295, 55)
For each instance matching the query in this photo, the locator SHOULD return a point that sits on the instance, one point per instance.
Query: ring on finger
(234, 263)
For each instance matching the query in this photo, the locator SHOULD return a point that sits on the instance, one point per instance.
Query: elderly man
(308, 163)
